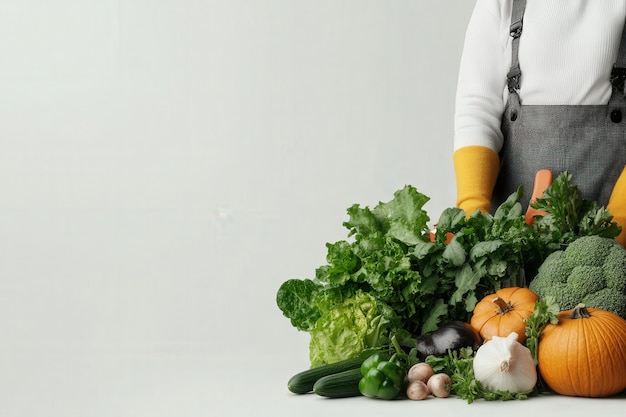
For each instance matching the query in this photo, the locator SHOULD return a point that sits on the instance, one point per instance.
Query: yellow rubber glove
(617, 206)
(476, 169)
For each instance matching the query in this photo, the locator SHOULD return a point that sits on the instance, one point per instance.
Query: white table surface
(201, 383)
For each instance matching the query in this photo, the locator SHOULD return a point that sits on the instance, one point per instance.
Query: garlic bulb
(504, 364)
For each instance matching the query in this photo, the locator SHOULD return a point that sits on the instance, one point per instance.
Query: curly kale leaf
(296, 299)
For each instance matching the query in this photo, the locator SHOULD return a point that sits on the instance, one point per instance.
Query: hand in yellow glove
(476, 169)
(617, 206)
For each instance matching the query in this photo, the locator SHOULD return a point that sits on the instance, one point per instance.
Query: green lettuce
(346, 328)
(342, 321)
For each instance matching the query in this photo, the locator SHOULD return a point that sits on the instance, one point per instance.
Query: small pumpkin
(584, 354)
(504, 312)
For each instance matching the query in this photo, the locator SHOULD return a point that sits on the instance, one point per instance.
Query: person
(541, 86)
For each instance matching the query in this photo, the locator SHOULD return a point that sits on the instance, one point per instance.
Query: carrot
(543, 179)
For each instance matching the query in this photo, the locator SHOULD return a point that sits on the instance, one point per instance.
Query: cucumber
(303, 382)
(341, 385)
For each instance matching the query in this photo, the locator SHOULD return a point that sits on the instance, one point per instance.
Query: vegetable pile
(395, 294)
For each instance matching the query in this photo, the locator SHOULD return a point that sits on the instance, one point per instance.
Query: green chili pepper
(382, 378)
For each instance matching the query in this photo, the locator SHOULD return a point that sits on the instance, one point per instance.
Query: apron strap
(617, 104)
(514, 75)
(618, 74)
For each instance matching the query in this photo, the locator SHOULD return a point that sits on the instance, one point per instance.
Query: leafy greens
(393, 276)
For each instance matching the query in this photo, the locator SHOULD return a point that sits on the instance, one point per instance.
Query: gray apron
(588, 141)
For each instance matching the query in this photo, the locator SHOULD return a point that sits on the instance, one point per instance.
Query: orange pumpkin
(504, 312)
(585, 353)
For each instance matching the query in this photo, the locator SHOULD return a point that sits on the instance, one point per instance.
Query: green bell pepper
(382, 378)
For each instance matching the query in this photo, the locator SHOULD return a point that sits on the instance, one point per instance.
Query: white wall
(166, 164)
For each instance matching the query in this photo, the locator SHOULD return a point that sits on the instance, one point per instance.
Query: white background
(166, 164)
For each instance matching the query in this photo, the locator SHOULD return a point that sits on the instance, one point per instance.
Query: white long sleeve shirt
(566, 52)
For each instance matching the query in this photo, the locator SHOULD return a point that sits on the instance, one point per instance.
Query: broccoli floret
(554, 267)
(560, 292)
(607, 296)
(614, 267)
(591, 251)
(591, 270)
(586, 279)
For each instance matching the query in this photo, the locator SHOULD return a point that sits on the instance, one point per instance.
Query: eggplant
(452, 335)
